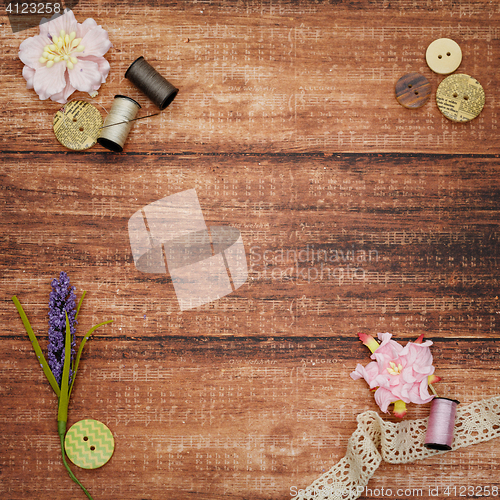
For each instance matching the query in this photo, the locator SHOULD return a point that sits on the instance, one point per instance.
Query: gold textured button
(413, 90)
(443, 56)
(460, 97)
(77, 125)
(89, 444)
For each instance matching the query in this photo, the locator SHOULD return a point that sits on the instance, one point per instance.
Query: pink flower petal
(357, 373)
(44, 27)
(49, 81)
(418, 397)
(44, 23)
(384, 337)
(62, 97)
(85, 27)
(29, 75)
(85, 75)
(96, 42)
(31, 50)
(369, 373)
(424, 391)
(407, 376)
(423, 371)
(403, 392)
(388, 348)
(102, 64)
(66, 22)
(381, 380)
(384, 398)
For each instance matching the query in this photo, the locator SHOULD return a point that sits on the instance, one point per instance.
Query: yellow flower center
(61, 49)
(394, 369)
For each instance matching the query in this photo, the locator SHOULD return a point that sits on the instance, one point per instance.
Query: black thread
(147, 79)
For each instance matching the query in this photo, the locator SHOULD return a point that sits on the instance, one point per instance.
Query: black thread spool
(147, 79)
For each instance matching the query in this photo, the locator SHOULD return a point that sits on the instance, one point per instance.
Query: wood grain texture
(356, 215)
(290, 77)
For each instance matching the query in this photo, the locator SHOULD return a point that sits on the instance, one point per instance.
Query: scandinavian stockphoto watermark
(205, 263)
(365, 491)
(435, 491)
(310, 264)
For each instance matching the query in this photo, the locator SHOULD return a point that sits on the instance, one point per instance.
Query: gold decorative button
(413, 90)
(460, 97)
(443, 56)
(89, 444)
(77, 125)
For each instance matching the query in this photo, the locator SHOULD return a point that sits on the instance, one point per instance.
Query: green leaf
(80, 304)
(80, 350)
(36, 346)
(76, 316)
(62, 414)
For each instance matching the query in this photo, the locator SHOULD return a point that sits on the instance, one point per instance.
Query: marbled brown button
(413, 90)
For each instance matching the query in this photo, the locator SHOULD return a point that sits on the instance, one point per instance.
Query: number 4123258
(33, 8)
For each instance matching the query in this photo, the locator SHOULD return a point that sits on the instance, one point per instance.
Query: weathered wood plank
(287, 77)
(247, 418)
(334, 245)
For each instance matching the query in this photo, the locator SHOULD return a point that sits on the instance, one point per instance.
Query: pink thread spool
(439, 435)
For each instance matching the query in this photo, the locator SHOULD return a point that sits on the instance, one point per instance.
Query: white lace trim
(375, 440)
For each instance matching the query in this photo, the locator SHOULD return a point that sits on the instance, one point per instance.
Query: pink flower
(398, 373)
(65, 56)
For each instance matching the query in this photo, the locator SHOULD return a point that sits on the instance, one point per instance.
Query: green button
(89, 444)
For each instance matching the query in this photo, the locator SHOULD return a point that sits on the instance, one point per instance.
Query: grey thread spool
(439, 435)
(147, 79)
(123, 111)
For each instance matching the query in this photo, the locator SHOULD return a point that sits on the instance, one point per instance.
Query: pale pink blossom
(65, 56)
(398, 373)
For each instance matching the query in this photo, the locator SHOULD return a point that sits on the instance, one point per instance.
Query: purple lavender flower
(62, 301)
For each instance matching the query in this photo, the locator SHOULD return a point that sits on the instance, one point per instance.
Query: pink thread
(439, 435)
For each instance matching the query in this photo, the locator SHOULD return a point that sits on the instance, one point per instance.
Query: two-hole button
(443, 56)
(77, 125)
(89, 444)
(413, 90)
(460, 97)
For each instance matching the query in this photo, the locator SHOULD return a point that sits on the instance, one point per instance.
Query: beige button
(460, 97)
(443, 56)
(77, 125)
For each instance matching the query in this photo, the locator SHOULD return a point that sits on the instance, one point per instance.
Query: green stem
(62, 413)
(61, 428)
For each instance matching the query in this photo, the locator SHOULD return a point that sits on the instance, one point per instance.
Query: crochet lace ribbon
(375, 440)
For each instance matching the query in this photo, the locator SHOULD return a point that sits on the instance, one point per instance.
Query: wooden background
(287, 126)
